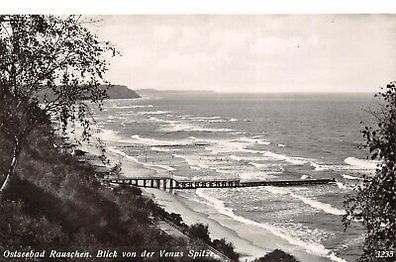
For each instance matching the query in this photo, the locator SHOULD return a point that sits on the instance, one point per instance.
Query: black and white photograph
(198, 137)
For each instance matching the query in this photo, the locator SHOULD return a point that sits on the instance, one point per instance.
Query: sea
(254, 137)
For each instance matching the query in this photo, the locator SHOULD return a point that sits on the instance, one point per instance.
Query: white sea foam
(259, 165)
(129, 107)
(239, 145)
(177, 126)
(157, 167)
(213, 119)
(226, 146)
(156, 119)
(292, 160)
(165, 167)
(210, 119)
(321, 167)
(240, 158)
(313, 203)
(161, 149)
(258, 175)
(351, 177)
(281, 145)
(156, 142)
(253, 141)
(204, 117)
(352, 163)
(159, 112)
(108, 135)
(311, 247)
(193, 161)
(150, 141)
(320, 206)
(342, 185)
(361, 163)
(223, 171)
(268, 167)
(123, 154)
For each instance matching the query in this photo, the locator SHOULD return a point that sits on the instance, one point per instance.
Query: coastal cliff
(113, 92)
(121, 92)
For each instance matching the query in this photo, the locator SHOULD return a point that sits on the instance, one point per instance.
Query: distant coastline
(121, 92)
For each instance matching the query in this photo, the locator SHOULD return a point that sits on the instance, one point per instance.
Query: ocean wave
(108, 135)
(352, 163)
(203, 117)
(258, 175)
(156, 119)
(311, 247)
(123, 154)
(225, 171)
(157, 142)
(176, 126)
(159, 112)
(303, 177)
(227, 146)
(361, 163)
(289, 159)
(162, 149)
(281, 145)
(341, 185)
(351, 177)
(157, 167)
(213, 119)
(128, 107)
(327, 208)
(193, 161)
(253, 140)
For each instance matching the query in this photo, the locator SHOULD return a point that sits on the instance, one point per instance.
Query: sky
(252, 53)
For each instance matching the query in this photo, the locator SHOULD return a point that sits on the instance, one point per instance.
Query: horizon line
(255, 92)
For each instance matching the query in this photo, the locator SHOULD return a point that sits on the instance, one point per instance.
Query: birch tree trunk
(14, 161)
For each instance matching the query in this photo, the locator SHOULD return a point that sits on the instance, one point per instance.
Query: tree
(199, 232)
(276, 256)
(374, 202)
(49, 67)
(227, 248)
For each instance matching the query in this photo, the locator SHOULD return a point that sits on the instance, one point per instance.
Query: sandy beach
(251, 241)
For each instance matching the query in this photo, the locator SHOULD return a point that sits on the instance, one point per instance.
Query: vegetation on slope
(55, 202)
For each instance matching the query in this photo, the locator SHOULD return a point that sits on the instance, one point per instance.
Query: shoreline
(249, 240)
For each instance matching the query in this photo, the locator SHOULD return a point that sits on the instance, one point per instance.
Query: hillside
(114, 92)
(121, 92)
(57, 202)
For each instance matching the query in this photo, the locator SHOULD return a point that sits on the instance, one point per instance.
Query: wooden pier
(171, 183)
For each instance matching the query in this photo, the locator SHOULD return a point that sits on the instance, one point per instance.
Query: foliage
(50, 63)
(17, 230)
(374, 201)
(64, 206)
(276, 256)
(226, 248)
(199, 231)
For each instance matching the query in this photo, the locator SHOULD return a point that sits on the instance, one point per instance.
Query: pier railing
(171, 183)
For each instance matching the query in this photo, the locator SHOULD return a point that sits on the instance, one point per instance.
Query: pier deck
(171, 183)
